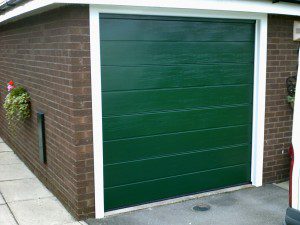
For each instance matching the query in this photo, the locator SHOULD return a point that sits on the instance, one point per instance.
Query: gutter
(290, 1)
(9, 4)
(234, 7)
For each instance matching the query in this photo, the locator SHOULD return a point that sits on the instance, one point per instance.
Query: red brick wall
(48, 54)
(282, 63)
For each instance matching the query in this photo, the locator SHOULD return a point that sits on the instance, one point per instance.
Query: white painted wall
(296, 144)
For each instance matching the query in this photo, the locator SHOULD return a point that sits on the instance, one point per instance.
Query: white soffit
(252, 6)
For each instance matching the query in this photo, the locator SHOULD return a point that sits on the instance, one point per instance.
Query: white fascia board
(250, 6)
(253, 6)
(27, 8)
(2, 2)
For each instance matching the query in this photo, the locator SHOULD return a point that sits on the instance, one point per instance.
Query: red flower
(11, 83)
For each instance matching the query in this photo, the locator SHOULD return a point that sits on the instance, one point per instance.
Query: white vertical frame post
(259, 90)
(296, 145)
(259, 100)
(97, 111)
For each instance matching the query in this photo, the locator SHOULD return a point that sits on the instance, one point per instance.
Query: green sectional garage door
(177, 106)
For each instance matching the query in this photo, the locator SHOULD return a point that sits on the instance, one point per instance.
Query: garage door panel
(177, 105)
(175, 186)
(164, 53)
(172, 29)
(132, 102)
(139, 125)
(145, 147)
(152, 77)
(146, 169)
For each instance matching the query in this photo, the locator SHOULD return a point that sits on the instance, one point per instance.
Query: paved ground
(23, 198)
(25, 201)
(252, 206)
(284, 185)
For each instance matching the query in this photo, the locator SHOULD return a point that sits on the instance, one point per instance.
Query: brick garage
(282, 63)
(49, 54)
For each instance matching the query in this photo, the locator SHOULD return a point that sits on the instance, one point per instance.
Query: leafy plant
(291, 100)
(291, 89)
(16, 105)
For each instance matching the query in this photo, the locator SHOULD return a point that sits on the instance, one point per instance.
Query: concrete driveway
(263, 206)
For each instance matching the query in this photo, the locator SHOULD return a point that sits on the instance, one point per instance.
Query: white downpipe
(296, 145)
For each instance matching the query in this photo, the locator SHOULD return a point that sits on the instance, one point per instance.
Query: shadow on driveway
(262, 206)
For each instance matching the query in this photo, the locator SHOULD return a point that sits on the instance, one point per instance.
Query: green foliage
(291, 99)
(291, 89)
(17, 106)
(17, 91)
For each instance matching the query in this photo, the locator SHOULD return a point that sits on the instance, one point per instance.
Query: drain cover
(201, 207)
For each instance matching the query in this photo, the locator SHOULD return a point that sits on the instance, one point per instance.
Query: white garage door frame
(259, 92)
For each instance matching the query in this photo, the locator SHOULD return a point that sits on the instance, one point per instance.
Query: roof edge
(8, 4)
(290, 1)
(235, 6)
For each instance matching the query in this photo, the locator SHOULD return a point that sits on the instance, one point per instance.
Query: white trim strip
(258, 6)
(97, 111)
(177, 12)
(258, 92)
(26, 8)
(296, 145)
(259, 97)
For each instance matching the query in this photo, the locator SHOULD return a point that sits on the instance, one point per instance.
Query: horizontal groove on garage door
(174, 88)
(178, 154)
(148, 77)
(187, 30)
(176, 186)
(138, 148)
(157, 100)
(175, 176)
(175, 165)
(175, 53)
(178, 110)
(123, 127)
